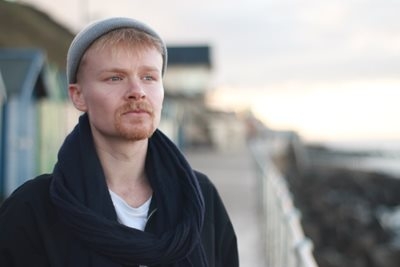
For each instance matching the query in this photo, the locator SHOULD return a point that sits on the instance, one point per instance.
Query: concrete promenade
(234, 176)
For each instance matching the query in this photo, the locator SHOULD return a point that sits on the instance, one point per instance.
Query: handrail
(283, 236)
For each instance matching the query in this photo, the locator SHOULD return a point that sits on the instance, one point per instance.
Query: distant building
(186, 81)
(188, 119)
(189, 70)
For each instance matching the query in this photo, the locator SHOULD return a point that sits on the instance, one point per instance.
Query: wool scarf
(80, 194)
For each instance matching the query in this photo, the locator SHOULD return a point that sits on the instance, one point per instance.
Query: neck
(124, 168)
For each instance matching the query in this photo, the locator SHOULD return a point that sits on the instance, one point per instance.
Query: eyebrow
(124, 70)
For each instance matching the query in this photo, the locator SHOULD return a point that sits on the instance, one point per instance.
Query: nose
(135, 91)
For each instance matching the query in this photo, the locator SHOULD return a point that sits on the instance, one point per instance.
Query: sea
(371, 155)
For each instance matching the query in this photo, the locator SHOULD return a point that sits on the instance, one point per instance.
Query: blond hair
(128, 38)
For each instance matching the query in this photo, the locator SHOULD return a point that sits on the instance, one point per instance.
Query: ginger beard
(135, 121)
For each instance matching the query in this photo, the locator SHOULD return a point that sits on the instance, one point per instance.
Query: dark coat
(31, 233)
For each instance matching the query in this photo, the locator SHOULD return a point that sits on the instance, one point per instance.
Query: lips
(137, 111)
(136, 108)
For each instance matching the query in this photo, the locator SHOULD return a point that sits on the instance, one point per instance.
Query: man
(121, 193)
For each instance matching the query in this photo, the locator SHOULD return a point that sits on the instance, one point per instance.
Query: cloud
(255, 42)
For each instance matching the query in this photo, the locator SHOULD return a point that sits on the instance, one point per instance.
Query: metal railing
(284, 241)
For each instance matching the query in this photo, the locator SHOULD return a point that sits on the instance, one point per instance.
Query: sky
(327, 69)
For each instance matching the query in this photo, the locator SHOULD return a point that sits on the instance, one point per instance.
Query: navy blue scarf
(80, 193)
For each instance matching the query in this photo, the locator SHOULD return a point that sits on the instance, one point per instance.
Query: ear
(76, 96)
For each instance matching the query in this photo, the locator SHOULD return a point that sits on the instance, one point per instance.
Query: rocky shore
(352, 216)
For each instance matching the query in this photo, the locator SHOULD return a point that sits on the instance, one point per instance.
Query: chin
(136, 134)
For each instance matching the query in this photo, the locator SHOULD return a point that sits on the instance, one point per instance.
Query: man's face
(121, 90)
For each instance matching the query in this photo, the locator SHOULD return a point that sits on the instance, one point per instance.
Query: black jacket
(31, 233)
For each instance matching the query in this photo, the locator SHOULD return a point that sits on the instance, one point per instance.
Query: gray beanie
(93, 31)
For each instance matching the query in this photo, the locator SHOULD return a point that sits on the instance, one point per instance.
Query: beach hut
(23, 83)
(3, 96)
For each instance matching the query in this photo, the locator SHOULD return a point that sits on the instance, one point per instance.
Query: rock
(340, 215)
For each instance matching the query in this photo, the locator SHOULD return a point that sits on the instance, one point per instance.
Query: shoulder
(218, 235)
(28, 204)
(41, 183)
(24, 218)
(214, 204)
(203, 179)
(207, 186)
(31, 194)
(31, 189)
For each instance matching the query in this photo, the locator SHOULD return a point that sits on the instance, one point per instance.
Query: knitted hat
(93, 31)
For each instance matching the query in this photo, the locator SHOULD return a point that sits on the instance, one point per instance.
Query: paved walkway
(233, 175)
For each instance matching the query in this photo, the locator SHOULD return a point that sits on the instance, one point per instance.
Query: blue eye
(148, 78)
(115, 78)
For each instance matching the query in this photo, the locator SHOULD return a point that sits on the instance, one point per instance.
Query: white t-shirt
(129, 216)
